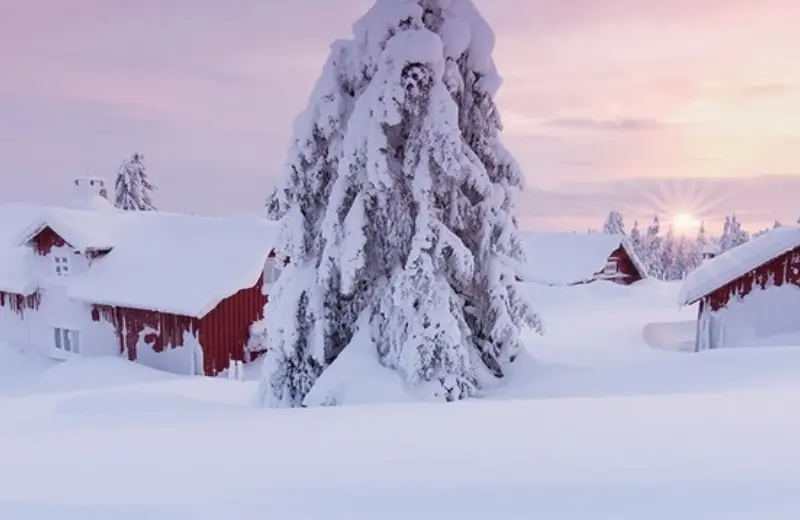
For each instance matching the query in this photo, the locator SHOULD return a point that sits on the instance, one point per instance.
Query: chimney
(709, 251)
(90, 193)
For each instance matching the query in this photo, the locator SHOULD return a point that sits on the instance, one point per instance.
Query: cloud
(612, 125)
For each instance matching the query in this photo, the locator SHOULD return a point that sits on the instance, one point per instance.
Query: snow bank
(659, 437)
(356, 377)
(675, 336)
(728, 266)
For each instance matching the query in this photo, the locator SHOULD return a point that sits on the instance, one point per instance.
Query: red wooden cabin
(176, 292)
(749, 293)
(555, 258)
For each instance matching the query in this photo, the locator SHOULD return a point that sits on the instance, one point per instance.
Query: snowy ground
(601, 425)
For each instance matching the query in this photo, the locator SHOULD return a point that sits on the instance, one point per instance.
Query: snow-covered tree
(311, 322)
(668, 256)
(636, 240)
(397, 212)
(732, 234)
(652, 249)
(614, 224)
(497, 308)
(698, 248)
(132, 187)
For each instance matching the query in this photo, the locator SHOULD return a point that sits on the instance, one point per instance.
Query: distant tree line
(671, 256)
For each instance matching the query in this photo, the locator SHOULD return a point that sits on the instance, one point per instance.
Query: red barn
(555, 258)
(175, 292)
(749, 295)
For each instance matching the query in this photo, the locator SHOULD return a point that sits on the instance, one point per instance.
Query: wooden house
(555, 258)
(748, 295)
(175, 292)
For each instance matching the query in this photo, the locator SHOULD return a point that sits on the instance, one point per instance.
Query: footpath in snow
(596, 424)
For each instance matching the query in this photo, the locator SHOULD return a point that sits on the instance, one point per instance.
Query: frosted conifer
(653, 246)
(637, 241)
(132, 187)
(497, 307)
(614, 224)
(699, 247)
(398, 212)
(732, 234)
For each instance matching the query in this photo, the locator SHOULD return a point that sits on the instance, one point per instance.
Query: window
(67, 340)
(272, 271)
(611, 267)
(62, 265)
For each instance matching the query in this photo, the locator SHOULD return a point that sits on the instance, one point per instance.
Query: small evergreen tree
(653, 250)
(700, 243)
(668, 256)
(636, 240)
(732, 234)
(614, 224)
(132, 187)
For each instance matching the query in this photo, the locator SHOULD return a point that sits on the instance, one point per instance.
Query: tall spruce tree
(132, 186)
(497, 308)
(398, 212)
(614, 224)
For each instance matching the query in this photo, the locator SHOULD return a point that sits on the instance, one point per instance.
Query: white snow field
(596, 425)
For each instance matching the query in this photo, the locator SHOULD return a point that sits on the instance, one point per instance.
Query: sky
(658, 106)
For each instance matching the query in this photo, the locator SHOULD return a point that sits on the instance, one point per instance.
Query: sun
(685, 222)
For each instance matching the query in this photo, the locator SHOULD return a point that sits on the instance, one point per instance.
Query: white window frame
(66, 340)
(612, 267)
(61, 265)
(272, 271)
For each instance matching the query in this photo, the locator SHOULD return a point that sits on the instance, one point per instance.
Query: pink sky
(644, 106)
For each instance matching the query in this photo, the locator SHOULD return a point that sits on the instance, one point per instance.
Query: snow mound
(356, 378)
(134, 403)
(676, 336)
(99, 372)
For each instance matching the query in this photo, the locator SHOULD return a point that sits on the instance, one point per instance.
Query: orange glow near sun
(685, 223)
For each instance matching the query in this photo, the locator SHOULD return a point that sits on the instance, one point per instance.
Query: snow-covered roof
(16, 274)
(567, 258)
(180, 264)
(730, 265)
(82, 229)
(712, 248)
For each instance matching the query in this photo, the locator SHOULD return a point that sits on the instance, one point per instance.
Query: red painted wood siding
(19, 303)
(130, 323)
(778, 271)
(625, 266)
(222, 333)
(45, 240)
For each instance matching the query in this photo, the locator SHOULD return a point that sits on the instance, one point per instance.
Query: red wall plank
(224, 332)
(778, 271)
